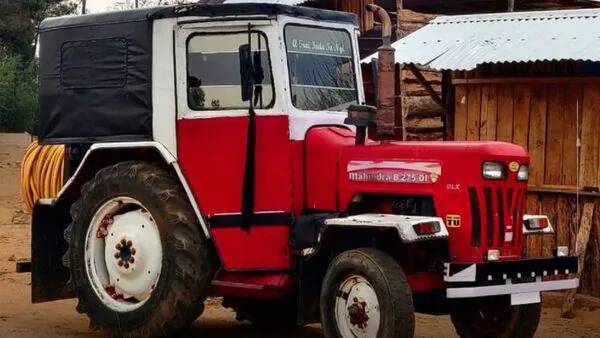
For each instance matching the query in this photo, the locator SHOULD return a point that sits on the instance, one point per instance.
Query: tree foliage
(18, 93)
(19, 22)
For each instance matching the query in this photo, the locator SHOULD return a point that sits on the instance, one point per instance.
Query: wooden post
(399, 7)
(583, 237)
(83, 6)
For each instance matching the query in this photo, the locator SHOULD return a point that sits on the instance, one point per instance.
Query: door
(212, 129)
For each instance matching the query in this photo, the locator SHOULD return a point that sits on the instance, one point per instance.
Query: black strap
(249, 173)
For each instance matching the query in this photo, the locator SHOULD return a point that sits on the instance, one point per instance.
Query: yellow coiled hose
(41, 172)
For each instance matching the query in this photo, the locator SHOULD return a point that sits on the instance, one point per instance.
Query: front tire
(365, 294)
(139, 264)
(495, 317)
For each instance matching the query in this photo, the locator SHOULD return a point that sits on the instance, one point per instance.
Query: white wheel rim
(123, 254)
(356, 308)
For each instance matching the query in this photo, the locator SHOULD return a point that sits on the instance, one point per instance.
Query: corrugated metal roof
(465, 41)
(281, 2)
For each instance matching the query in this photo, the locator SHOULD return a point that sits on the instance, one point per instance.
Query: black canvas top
(203, 8)
(95, 70)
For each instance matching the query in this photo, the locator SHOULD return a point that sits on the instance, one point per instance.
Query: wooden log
(435, 96)
(583, 237)
(428, 136)
(415, 89)
(407, 15)
(420, 106)
(424, 123)
(460, 112)
(432, 76)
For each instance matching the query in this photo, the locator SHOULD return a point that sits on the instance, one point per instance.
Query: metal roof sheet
(281, 2)
(465, 41)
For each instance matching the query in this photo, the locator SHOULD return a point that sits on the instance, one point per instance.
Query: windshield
(321, 67)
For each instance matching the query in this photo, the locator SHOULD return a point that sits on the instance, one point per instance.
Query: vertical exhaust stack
(385, 80)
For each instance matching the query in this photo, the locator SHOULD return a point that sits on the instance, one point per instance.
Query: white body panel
(273, 27)
(403, 224)
(163, 86)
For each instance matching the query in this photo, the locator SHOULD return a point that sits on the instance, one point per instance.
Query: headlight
(523, 174)
(494, 171)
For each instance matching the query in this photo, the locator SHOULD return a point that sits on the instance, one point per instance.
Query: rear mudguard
(49, 277)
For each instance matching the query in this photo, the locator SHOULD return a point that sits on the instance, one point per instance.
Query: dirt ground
(19, 318)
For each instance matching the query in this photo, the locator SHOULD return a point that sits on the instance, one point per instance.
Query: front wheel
(139, 263)
(365, 295)
(495, 317)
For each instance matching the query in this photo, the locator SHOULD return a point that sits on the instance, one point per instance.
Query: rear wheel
(365, 295)
(495, 317)
(139, 264)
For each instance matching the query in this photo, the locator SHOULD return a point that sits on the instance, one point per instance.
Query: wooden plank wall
(358, 7)
(541, 115)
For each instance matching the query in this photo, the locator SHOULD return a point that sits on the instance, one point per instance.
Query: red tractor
(222, 150)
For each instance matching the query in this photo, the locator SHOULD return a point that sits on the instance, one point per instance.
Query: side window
(214, 81)
(93, 64)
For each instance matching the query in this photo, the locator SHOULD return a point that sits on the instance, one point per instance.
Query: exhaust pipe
(385, 120)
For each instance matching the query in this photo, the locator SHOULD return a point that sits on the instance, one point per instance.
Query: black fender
(52, 216)
(49, 277)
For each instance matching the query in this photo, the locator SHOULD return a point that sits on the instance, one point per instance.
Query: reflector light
(537, 223)
(427, 228)
(493, 255)
(562, 251)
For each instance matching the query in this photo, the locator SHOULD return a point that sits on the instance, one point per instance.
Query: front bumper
(522, 278)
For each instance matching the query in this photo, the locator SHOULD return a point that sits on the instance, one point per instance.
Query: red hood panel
(450, 172)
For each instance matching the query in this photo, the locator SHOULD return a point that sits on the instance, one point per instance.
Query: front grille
(475, 217)
(500, 198)
(493, 212)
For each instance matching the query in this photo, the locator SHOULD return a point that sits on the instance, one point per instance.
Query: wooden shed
(418, 116)
(532, 79)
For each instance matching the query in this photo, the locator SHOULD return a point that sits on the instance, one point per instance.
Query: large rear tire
(495, 317)
(365, 294)
(139, 264)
